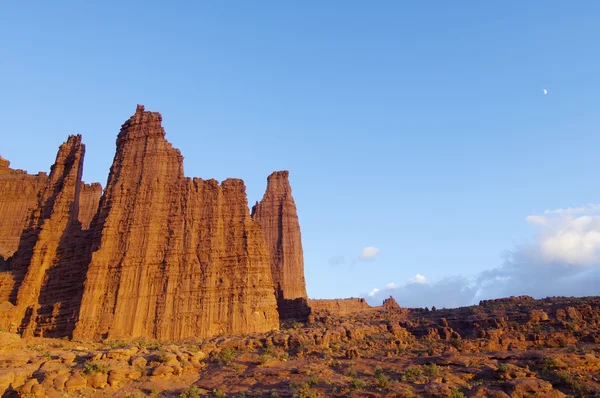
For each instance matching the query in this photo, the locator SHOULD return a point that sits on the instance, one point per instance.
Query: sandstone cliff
(48, 267)
(277, 217)
(155, 255)
(173, 257)
(18, 197)
(89, 198)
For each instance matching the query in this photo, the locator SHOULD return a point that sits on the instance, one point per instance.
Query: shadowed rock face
(47, 270)
(19, 193)
(277, 216)
(173, 257)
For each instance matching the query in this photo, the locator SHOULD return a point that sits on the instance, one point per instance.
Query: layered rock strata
(155, 255)
(277, 216)
(173, 257)
(48, 268)
(18, 197)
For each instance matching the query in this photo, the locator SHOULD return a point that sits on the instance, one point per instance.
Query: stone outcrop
(277, 216)
(172, 257)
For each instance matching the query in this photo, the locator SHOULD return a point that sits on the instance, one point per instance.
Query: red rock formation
(340, 306)
(18, 197)
(89, 199)
(277, 216)
(173, 257)
(46, 268)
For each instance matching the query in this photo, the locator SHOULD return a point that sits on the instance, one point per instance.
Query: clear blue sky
(419, 128)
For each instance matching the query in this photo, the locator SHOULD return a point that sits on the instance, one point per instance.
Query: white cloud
(563, 260)
(391, 285)
(369, 252)
(418, 279)
(373, 292)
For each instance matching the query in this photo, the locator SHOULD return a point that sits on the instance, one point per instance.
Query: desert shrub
(456, 343)
(412, 373)
(549, 363)
(94, 367)
(226, 356)
(218, 394)
(350, 372)
(455, 393)
(382, 379)
(431, 370)
(192, 392)
(357, 384)
(117, 344)
(313, 380)
(302, 390)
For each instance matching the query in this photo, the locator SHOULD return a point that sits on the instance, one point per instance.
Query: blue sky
(420, 129)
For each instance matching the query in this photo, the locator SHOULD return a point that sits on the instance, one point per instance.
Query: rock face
(277, 217)
(89, 198)
(18, 197)
(47, 269)
(173, 257)
(155, 254)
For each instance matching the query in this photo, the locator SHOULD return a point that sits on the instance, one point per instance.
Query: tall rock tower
(48, 267)
(172, 257)
(277, 216)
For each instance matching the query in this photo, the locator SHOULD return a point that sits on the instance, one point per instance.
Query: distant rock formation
(343, 306)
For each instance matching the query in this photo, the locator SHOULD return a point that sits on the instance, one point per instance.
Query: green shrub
(117, 344)
(357, 384)
(456, 394)
(226, 356)
(218, 394)
(412, 373)
(549, 363)
(192, 392)
(94, 367)
(431, 370)
(313, 380)
(503, 368)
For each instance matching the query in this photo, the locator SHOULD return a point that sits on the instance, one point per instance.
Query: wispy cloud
(374, 291)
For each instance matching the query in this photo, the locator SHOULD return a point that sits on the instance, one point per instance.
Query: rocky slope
(517, 347)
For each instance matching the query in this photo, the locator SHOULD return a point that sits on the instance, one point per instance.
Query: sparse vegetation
(94, 367)
(431, 370)
(226, 356)
(412, 373)
(192, 392)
